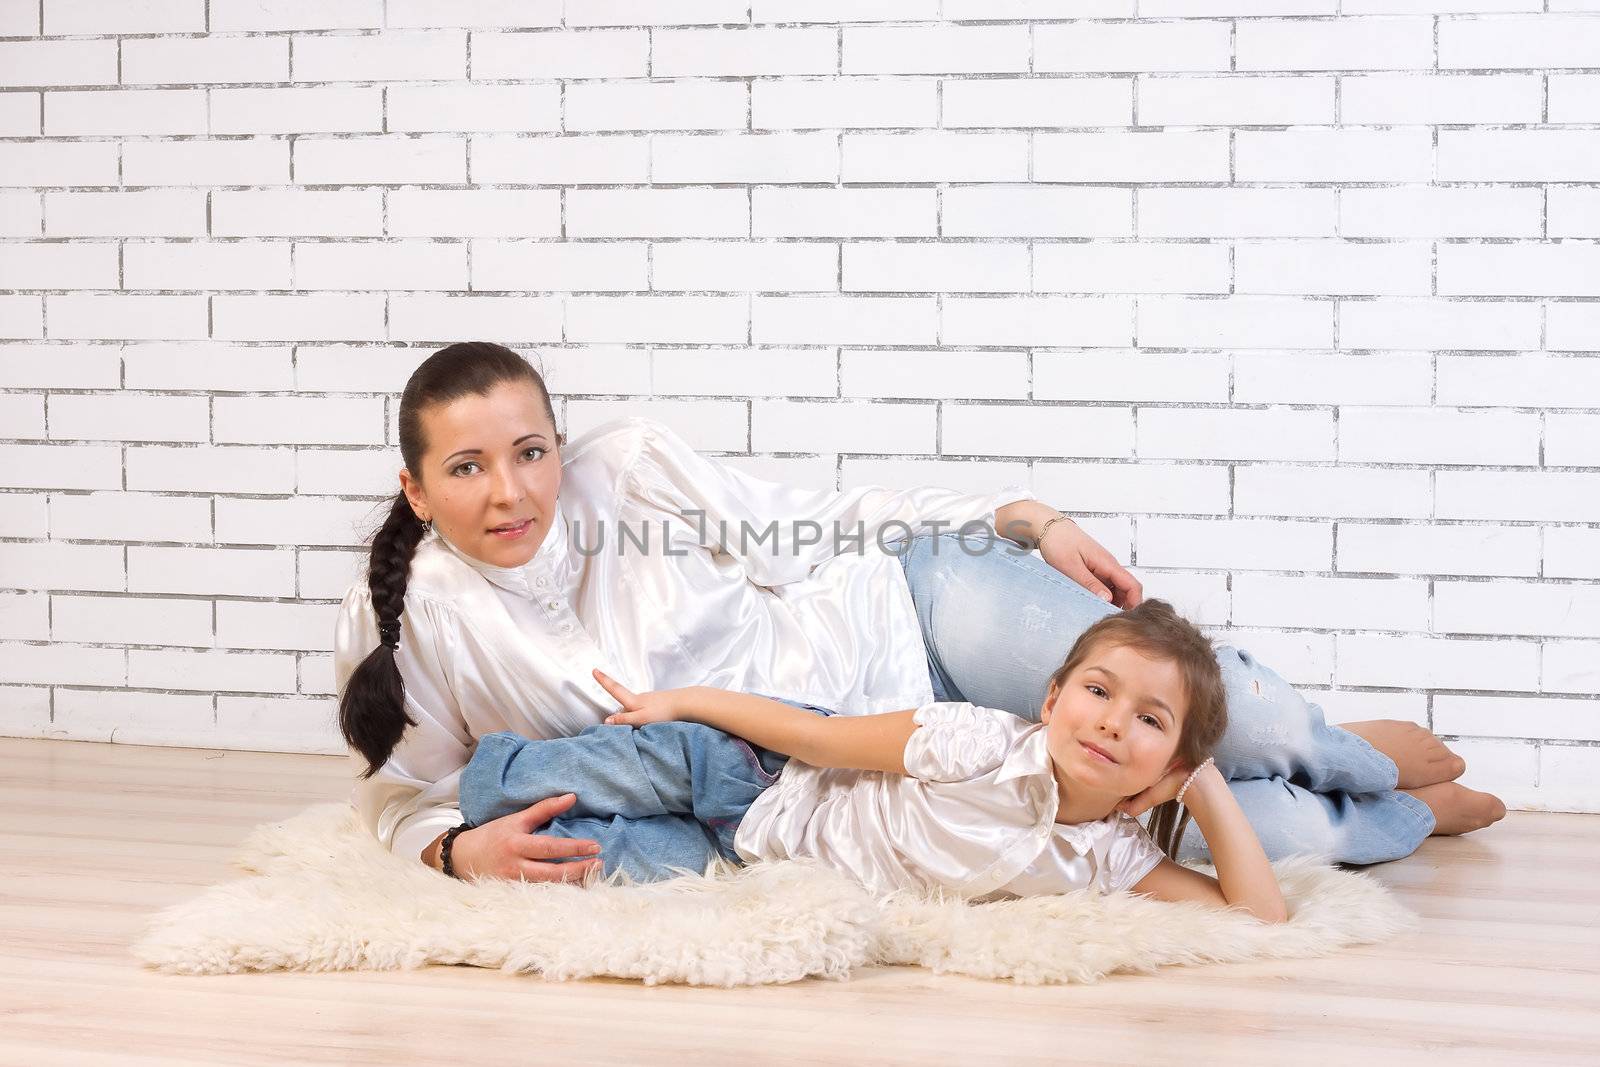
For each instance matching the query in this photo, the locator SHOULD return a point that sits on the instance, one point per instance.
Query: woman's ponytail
(372, 711)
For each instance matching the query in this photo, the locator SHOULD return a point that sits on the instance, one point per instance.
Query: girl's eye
(1152, 720)
(461, 468)
(1096, 690)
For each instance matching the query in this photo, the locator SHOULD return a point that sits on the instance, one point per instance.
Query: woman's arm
(1244, 877)
(856, 742)
(1069, 550)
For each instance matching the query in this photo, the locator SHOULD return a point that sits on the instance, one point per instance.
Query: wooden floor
(1505, 968)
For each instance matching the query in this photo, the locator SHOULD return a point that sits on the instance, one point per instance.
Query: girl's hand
(1164, 790)
(638, 709)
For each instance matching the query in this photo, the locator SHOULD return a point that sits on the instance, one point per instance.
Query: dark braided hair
(372, 710)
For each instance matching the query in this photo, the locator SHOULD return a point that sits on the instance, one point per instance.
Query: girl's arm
(1244, 877)
(857, 742)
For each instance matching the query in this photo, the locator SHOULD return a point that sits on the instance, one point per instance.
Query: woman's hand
(1164, 790)
(508, 848)
(638, 709)
(1071, 551)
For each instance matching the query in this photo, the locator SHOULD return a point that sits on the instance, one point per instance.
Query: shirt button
(566, 627)
(542, 582)
(554, 605)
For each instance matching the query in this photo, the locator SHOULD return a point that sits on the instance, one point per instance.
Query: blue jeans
(998, 622)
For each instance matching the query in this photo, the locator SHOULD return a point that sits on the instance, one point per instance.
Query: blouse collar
(1031, 757)
(520, 580)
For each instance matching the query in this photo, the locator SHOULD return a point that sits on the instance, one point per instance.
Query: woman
(509, 568)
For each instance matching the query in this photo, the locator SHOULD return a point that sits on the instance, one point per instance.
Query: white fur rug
(325, 896)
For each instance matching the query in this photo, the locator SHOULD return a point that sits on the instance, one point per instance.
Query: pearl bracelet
(1187, 782)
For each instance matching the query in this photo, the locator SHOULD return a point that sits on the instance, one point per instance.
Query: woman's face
(490, 474)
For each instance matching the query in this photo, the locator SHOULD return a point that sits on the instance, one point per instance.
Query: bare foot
(1457, 809)
(1422, 758)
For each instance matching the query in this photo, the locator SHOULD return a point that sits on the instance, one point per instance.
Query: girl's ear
(1049, 702)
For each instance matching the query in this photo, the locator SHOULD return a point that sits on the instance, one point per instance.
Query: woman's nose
(507, 490)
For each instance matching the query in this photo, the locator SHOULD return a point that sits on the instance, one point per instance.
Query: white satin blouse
(485, 648)
(974, 815)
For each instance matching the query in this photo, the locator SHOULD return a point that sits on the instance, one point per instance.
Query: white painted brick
(131, 717)
(1567, 774)
(1176, 433)
(232, 162)
(1330, 603)
(474, 213)
(709, 319)
(860, 320)
(93, 17)
(1130, 375)
(802, 472)
(34, 63)
(745, 157)
(513, 320)
(386, 265)
(297, 213)
(1551, 609)
(1572, 441)
(207, 366)
(22, 416)
(19, 114)
(1519, 270)
(299, 420)
(1574, 211)
(211, 571)
(935, 156)
(984, 10)
(60, 467)
(1032, 211)
(1209, 8)
(351, 369)
(1235, 322)
(1436, 663)
(893, 266)
(961, 475)
(1425, 99)
(25, 515)
(1571, 552)
(58, 163)
(844, 212)
(381, 160)
(1344, 155)
(1236, 212)
(1401, 268)
(21, 317)
(1574, 97)
(1332, 492)
(210, 470)
(1480, 716)
(115, 113)
(21, 214)
(744, 373)
(346, 472)
(1131, 267)
(1047, 102)
(129, 417)
(1331, 378)
(1139, 156)
(326, 575)
(597, 369)
(298, 318)
(756, 51)
(204, 60)
(471, 108)
(676, 105)
(58, 366)
(777, 104)
(1035, 430)
(59, 266)
(211, 671)
(783, 426)
(1350, 705)
(934, 374)
(565, 54)
(1508, 769)
(114, 516)
(1518, 496)
(24, 616)
(1242, 544)
(288, 724)
(324, 109)
(415, 56)
(316, 676)
(62, 664)
(1571, 667)
(127, 317)
(1347, 43)
(298, 521)
(1541, 40)
(96, 568)
(1437, 436)
(680, 12)
(935, 49)
(1445, 7)
(1086, 46)
(19, 18)
(147, 213)
(206, 265)
(1232, 100)
(1419, 211)
(292, 627)
(1517, 155)
(1573, 327)
(713, 425)
(738, 266)
(1203, 599)
(658, 213)
(1300, 658)
(1145, 488)
(527, 266)
(131, 621)
(1455, 324)
(1037, 320)
(270, 15)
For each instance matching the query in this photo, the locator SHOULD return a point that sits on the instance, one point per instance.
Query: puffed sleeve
(954, 742)
(673, 476)
(1130, 854)
(413, 797)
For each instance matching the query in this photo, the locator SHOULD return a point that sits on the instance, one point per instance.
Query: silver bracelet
(1037, 541)
(1187, 782)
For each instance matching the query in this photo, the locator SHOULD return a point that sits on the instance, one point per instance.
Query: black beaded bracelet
(444, 848)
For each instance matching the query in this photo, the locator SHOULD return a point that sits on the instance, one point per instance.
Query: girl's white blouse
(791, 614)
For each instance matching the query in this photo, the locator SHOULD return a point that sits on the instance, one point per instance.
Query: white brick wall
(1296, 303)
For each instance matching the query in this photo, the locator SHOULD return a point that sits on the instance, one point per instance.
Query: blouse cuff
(419, 831)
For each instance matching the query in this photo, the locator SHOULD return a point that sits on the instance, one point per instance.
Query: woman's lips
(1097, 753)
(512, 531)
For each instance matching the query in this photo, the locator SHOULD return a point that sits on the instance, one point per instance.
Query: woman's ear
(414, 495)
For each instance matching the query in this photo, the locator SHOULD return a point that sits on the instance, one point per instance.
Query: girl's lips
(512, 532)
(1097, 753)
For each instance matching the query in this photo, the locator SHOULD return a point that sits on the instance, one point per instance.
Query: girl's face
(490, 475)
(1113, 725)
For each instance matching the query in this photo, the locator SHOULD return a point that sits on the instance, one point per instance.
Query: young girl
(968, 799)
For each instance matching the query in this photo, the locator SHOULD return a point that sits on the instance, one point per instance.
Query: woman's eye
(535, 448)
(462, 468)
